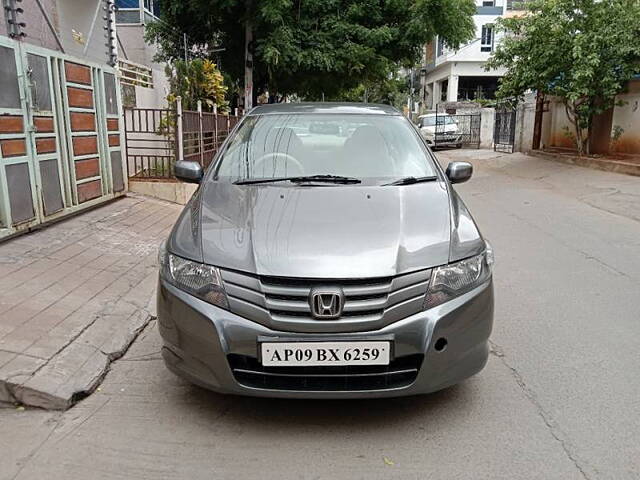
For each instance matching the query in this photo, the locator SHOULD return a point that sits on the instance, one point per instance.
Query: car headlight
(451, 281)
(200, 280)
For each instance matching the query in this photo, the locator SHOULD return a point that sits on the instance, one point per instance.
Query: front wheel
(458, 145)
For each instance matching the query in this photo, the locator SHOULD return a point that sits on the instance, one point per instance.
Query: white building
(144, 83)
(459, 75)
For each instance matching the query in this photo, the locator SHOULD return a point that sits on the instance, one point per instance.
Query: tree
(195, 80)
(392, 90)
(313, 47)
(582, 51)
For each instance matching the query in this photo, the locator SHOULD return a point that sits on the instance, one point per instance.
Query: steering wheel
(289, 160)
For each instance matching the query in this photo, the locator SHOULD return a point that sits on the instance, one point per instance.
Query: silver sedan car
(325, 254)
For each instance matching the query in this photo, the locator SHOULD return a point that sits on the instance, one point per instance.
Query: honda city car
(325, 254)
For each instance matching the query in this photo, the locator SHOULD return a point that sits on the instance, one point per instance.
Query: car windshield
(442, 120)
(367, 147)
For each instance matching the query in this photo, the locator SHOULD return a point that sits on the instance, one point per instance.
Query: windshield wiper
(411, 180)
(301, 179)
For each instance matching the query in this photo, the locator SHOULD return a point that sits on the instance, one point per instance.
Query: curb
(77, 370)
(607, 165)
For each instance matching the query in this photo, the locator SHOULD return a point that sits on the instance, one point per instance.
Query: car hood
(317, 232)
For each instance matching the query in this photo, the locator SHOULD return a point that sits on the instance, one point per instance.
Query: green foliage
(582, 51)
(167, 126)
(314, 47)
(128, 95)
(392, 90)
(566, 131)
(616, 133)
(195, 80)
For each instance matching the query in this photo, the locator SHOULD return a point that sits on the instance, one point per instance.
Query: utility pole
(248, 62)
(180, 139)
(184, 39)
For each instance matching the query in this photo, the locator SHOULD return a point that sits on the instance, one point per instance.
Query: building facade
(459, 75)
(144, 83)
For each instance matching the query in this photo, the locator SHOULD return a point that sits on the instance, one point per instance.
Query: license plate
(314, 354)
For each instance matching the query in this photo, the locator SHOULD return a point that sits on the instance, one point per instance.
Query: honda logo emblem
(326, 303)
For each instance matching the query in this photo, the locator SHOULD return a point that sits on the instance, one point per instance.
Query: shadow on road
(297, 414)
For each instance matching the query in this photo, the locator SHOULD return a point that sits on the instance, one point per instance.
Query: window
(486, 40)
(152, 7)
(128, 11)
(430, 120)
(127, 3)
(39, 80)
(488, 3)
(137, 11)
(111, 93)
(128, 95)
(364, 146)
(440, 51)
(9, 89)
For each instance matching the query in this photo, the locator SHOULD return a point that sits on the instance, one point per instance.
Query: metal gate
(150, 142)
(204, 133)
(459, 130)
(59, 135)
(151, 133)
(504, 130)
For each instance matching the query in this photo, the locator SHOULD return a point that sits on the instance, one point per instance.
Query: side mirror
(459, 172)
(189, 171)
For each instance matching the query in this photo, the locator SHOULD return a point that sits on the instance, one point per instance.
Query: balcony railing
(135, 74)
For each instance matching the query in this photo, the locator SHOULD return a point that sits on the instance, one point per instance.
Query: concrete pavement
(74, 295)
(559, 398)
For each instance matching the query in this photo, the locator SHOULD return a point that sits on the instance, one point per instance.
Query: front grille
(445, 137)
(401, 372)
(283, 303)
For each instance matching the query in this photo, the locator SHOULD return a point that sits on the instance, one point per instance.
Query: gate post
(179, 139)
(126, 140)
(215, 128)
(200, 139)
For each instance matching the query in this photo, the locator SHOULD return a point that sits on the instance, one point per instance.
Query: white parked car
(440, 130)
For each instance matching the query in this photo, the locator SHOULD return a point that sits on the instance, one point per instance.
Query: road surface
(559, 398)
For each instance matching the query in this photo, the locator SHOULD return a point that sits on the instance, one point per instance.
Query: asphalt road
(559, 398)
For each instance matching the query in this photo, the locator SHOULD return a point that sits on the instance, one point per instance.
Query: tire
(458, 145)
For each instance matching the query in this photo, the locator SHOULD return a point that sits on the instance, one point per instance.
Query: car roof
(324, 107)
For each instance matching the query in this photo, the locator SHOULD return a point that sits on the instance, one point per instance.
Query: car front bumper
(198, 339)
(448, 140)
